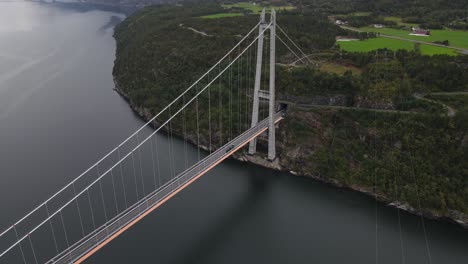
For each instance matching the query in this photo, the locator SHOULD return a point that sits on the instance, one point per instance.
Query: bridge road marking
(109, 239)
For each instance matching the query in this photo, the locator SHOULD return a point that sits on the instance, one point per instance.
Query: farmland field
(457, 38)
(433, 50)
(392, 44)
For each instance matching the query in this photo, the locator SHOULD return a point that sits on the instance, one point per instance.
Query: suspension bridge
(228, 107)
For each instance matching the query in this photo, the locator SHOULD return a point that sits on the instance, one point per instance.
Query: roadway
(94, 241)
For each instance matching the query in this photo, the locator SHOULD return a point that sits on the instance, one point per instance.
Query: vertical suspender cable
(32, 248)
(239, 87)
(171, 144)
(247, 91)
(168, 130)
(91, 207)
(158, 165)
(230, 101)
(141, 167)
(134, 174)
(102, 195)
(397, 189)
(375, 193)
(79, 211)
(152, 161)
(115, 193)
(221, 110)
(247, 87)
(185, 133)
(21, 247)
(198, 128)
(413, 172)
(64, 229)
(397, 176)
(122, 179)
(209, 118)
(52, 229)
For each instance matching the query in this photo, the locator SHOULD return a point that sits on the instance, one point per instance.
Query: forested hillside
(418, 156)
(432, 13)
(155, 50)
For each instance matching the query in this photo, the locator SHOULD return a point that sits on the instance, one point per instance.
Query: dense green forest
(418, 156)
(155, 52)
(405, 157)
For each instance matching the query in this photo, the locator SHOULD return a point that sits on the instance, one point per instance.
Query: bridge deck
(114, 227)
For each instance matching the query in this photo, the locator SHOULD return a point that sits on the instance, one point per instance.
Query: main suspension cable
(86, 189)
(289, 48)
(282, 31)
(131, 136)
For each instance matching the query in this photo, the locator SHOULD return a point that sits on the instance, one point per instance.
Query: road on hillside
(302, 106)
(451, 112)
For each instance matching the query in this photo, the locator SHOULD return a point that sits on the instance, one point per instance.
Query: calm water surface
(59, 114)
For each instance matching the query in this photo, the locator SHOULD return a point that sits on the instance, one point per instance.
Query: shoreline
(456, 217)
(459, 221)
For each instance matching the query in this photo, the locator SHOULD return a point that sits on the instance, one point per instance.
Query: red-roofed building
(420, 32)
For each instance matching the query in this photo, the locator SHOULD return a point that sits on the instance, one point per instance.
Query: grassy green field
(220, 15)
(257, 8)
(392, 44)
(457, 38)
(432, 50)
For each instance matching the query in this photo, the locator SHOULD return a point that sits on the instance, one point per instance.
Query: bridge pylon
(265, 94)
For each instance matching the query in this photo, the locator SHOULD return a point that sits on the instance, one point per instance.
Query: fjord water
(59, 114)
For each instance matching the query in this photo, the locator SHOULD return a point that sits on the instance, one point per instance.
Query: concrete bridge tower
(264, 94)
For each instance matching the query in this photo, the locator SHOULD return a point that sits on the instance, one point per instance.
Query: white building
(341, 22)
